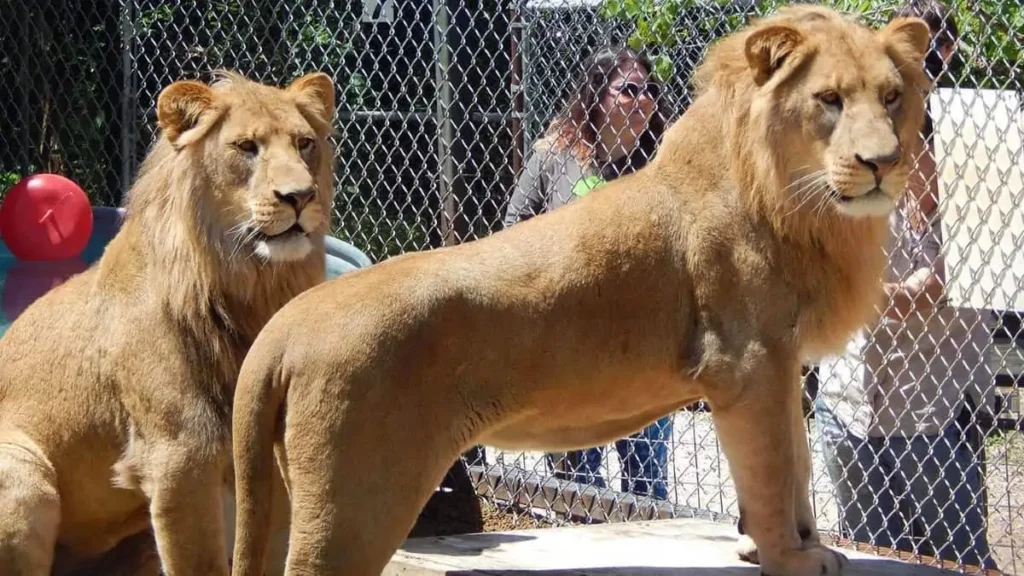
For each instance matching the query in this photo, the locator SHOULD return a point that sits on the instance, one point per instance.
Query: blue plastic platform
(342, 257)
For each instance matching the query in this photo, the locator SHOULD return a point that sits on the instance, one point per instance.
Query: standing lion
(116, 387)
(753, 241)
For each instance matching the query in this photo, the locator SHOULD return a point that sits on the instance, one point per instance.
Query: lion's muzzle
(296, 198)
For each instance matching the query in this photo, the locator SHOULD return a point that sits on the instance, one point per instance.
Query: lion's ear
(315, 92)
(181, 106)
(767, 48)
(911, 36)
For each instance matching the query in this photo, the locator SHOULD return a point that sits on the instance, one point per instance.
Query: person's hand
(985, 420)
(981, 417)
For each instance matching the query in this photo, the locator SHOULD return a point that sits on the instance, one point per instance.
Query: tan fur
(116, 387)
(704, 275)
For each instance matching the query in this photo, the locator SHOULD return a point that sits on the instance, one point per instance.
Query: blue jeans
(893, 491)
(644, 459)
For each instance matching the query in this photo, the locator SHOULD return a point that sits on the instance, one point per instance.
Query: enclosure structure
(441, 101)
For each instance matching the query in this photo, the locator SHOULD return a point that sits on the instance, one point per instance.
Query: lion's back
(48, 353)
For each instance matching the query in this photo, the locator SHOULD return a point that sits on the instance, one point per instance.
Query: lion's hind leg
(766, 466)
(29, 508)
(358, 478)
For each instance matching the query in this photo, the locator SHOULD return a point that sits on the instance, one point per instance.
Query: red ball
(46, 217)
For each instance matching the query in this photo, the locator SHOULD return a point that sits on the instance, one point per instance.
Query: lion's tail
(257, 402)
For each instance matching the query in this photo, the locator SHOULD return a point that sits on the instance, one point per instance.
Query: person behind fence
(609, 127)
(890, 410)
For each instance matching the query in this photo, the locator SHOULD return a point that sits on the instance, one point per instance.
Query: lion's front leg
(806, 526)
(771, 472)
(805, 523)
(186, 494)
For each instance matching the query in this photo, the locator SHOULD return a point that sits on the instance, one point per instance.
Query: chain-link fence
(442, 107)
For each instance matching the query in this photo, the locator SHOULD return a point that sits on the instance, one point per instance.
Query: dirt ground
(1005, 486)
(451, 513)
(456, 509)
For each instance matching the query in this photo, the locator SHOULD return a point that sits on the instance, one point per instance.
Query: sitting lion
(116, 387)
(754, 241)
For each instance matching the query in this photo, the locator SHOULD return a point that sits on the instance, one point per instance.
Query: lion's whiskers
(241, 235)
(817, 191)
(810, 186)
(823, 200)
(803, 178)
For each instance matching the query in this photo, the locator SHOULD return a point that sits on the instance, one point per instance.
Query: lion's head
(231, 207)
(250, 168)
(826, 112)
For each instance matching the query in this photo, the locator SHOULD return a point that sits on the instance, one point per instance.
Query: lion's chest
(826, 329)
(845, 298)
(753, 288)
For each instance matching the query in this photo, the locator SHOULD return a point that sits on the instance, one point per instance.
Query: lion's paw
(813, 561)
(809, 537)
(746, 549)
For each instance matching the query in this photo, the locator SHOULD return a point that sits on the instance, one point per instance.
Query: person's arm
(923, 186)
(920, 292)
(528, 196)
(924, 289)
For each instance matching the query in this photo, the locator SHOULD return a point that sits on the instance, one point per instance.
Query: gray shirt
(549, 180)
(906, 378)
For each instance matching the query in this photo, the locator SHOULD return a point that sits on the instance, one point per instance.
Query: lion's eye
(830, 98)
(306, 144)
(892, 97)
(247, 146)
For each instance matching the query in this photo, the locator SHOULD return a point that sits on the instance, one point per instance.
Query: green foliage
(54, 116)
(365, 223)
(656, 25)
(991, 31)
(280, 41)
(62, 66)
(7, 181)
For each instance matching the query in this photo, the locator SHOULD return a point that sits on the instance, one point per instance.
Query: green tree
(991, 31)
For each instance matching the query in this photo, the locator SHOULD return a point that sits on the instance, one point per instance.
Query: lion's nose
(296, 198)
(880, 164)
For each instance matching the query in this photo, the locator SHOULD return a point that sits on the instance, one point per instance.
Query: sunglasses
(634, 90)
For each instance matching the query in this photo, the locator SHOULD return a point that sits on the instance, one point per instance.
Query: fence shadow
(450, 547)
(857, 567)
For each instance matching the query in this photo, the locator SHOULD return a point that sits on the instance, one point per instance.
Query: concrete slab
(679, 547)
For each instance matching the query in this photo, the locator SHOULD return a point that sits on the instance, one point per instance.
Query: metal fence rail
(440, 105)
